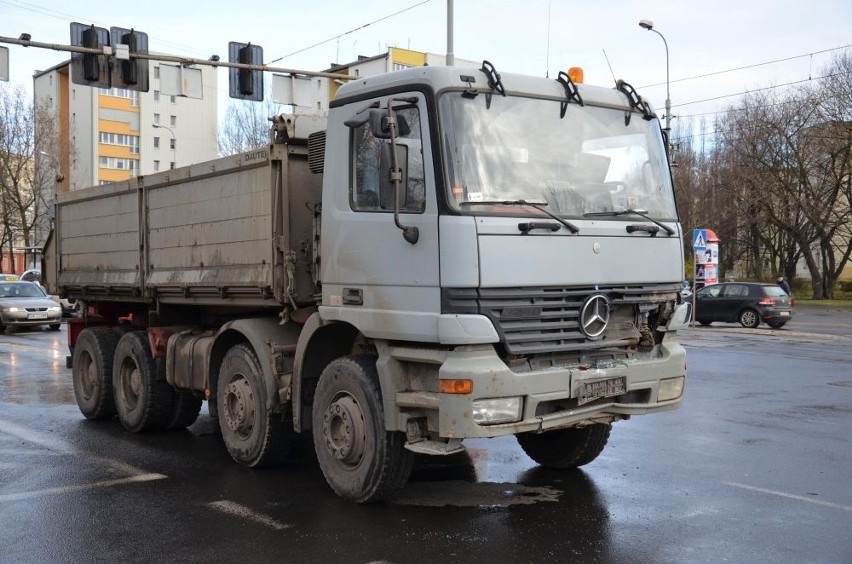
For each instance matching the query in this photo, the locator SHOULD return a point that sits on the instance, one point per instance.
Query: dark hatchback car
(747, 303)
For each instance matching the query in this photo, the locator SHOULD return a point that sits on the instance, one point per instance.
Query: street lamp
(649, 25)
(174, 144)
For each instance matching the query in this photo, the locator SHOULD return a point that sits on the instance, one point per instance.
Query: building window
(172, 164)
(173, 120)
(119, 164)
(172, 143)
(131, 95)
(156, 95)
(156, 165)
(156, 142)
(157, 119)
(156, 72)
(173, 99)
(120, 139)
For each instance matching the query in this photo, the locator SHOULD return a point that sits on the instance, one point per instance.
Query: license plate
(591, 391)
(37, 316)
(785, 314)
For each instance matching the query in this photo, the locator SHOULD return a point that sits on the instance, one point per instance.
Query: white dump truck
(448, 254)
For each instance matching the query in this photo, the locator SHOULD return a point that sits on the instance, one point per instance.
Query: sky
(780, 41)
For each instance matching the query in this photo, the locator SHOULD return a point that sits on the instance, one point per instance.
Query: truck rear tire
(254, 435)
(143, 400)
(92, 372)
(359, 459)
(565, 448)
(185, 409)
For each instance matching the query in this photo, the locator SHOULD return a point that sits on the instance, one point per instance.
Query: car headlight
(55, 309)
(12, 309)
(493, 411)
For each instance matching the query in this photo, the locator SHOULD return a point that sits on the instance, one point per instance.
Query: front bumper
(549, 397)
(21, 319)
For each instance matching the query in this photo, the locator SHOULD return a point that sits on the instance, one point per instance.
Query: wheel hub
(131, 383)
(88, 376)
(239, 407)
(344, 430)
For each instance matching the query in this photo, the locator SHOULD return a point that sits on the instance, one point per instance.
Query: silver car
(25, 303)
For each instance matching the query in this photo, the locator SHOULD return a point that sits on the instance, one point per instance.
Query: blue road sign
(699, 239)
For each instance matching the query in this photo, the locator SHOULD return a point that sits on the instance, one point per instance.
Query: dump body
(224, 232)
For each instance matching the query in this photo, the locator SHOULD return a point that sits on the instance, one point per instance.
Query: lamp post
(174, 144)
(649, 25)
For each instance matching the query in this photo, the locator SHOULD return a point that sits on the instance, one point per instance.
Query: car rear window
(774, 291)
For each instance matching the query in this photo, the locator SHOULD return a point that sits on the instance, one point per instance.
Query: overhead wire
(353, 30)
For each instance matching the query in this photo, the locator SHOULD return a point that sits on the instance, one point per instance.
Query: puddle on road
(465, 494)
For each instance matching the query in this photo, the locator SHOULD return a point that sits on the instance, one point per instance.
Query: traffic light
(90, 69)
(129, 72)
(245, 84)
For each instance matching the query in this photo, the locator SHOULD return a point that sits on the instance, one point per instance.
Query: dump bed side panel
(200, 234)
(211, 237)
(100, 236)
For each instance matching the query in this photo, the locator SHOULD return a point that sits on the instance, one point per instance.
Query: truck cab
(540, 295)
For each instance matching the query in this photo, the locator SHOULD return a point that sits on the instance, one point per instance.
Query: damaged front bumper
(503, 402)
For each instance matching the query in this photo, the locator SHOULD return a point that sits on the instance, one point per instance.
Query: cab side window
(372, 157)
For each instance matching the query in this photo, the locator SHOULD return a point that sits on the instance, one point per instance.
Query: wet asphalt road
(756, 467)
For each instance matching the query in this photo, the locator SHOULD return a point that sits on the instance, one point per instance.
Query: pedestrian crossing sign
(699, 238)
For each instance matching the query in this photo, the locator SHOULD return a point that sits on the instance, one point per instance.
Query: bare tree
(246, 126)
(21, 203)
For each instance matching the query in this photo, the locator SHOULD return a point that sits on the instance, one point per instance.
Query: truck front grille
(534, 321)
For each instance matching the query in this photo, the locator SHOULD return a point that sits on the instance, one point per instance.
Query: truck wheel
(565, 448)
(185, 409)
(254, 435)
(92, 372)
(360, 460)
(143, 400)
(749, 318)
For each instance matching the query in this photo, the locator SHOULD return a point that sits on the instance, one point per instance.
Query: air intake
(316, 151)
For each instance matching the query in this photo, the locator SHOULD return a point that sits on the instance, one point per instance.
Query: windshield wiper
(537, 205)
(641, 213)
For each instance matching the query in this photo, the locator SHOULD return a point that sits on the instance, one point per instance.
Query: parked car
(69, 307)
(25, 303)
(748, 303)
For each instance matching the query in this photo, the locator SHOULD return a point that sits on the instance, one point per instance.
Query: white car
(26, 304)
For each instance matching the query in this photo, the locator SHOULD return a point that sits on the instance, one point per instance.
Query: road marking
(790, 496)
(61, 447)
(238, 510)
(81, 487)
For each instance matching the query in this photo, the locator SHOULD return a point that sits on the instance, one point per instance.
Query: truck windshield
(515, 148)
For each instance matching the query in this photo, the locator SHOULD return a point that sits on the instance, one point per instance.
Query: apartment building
(107, 135)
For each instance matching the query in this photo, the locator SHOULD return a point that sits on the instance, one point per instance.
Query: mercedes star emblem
(594, 316)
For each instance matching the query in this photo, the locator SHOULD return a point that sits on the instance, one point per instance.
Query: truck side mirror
(388, 175)
(380, 124)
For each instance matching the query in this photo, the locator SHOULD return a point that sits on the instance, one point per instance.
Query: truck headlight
(670, 388)
(493, 411)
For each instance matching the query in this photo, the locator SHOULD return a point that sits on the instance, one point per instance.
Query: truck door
(372, 276)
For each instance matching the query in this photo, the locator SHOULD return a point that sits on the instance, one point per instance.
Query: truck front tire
(565, 448)
(92, 372)
(143, 400)
(254, 435)
(359, 459)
